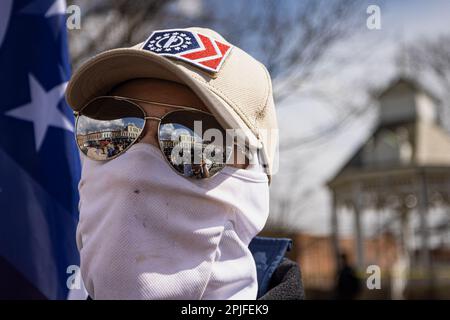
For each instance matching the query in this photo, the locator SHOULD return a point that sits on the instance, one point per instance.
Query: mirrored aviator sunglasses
(192, 141)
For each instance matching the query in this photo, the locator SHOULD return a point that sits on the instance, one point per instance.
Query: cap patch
(195, 48)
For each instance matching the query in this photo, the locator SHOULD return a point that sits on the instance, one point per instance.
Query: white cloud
(87, 125)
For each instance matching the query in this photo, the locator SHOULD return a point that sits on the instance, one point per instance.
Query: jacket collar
(267, 253)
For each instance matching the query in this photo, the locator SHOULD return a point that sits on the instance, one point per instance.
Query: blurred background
(362, 91)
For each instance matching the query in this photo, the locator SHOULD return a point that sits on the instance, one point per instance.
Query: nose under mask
(146, 232)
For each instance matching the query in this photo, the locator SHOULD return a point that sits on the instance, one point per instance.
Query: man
(149, 229)
(348, 285)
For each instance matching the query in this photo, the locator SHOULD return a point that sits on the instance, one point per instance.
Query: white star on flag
(38, 7)
(5, 14)
(58, 8)
(42, 110)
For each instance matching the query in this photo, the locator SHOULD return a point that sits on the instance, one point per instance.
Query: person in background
(348, 283)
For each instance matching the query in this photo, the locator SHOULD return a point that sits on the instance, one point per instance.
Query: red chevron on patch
(189, 46)
(211, 56)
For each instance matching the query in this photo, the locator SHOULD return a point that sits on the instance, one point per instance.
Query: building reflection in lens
(197, 162)
(105, 144)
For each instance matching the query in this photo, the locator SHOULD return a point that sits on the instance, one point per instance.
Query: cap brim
(103, 72)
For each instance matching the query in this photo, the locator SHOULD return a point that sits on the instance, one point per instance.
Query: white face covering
(145, 232)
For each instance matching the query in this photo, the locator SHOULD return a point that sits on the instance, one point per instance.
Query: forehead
(159, 91)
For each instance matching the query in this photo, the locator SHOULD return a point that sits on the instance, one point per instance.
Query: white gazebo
(403, 167)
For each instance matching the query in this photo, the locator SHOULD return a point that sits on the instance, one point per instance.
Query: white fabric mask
(146, 232)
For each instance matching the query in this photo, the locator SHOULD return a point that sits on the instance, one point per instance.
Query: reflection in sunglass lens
(194, 143)
(107, 127)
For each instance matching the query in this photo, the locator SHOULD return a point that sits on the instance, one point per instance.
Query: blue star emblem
(171, 42)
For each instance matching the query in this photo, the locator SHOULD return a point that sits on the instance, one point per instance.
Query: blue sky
(418, 17)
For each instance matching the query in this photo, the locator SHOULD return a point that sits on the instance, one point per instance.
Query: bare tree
(430, 57)
(290, 37)
(111, 24)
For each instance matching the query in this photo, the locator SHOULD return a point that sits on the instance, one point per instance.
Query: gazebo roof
(412, 83)
(429, 147)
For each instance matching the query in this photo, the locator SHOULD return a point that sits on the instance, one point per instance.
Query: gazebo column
(359, 237)
(425, 255)
(335, 229)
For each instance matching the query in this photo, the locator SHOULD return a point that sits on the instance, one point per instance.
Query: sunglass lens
(194, 143)
(107, 127)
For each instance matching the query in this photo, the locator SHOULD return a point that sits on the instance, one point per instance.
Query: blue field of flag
(39, 164)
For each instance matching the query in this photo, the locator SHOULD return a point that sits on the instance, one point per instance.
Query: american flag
(39, 164)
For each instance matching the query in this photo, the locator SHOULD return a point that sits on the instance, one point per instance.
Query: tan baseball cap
(234, 86)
